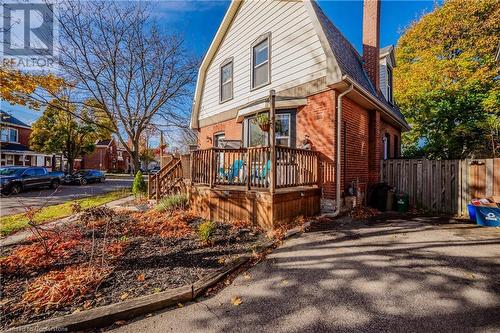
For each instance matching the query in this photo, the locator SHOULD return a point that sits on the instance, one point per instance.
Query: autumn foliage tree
(17, 87)
(69, 129)
(447, 81)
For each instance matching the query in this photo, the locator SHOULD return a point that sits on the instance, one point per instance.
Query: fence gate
(444, 186)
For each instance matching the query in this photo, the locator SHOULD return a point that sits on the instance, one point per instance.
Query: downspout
(339, 150)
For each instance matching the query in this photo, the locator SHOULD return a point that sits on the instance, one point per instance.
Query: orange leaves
(59, 288)
(141, 277)
(116, 249)
(34, 256)
(15, 86)
(173, 225)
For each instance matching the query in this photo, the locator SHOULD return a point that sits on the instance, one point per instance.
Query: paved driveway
(396, 276)
(39, 197)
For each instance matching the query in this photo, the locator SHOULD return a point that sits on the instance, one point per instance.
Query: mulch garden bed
(108, 257)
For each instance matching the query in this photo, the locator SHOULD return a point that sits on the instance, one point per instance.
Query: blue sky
(198, 21)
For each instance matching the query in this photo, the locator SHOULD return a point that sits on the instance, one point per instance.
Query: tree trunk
(71, 162)
(136, 156)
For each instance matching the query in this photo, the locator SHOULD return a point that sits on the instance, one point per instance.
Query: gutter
(338, 150)
(375, 101)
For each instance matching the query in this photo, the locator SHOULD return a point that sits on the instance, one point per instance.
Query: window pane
(5, 135)
(226, 73)
(282, 142)
(227, 91)
(282, 125)
(260, 53)
(13, 135)
(256, 137)
(226, 88)
(261, 75)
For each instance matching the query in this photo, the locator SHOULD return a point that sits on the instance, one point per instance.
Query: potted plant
(262, 119)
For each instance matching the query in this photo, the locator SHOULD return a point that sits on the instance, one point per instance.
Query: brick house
(293, 48)
(14, 145)
(107, 156)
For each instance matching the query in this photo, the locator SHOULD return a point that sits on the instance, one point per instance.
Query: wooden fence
(445, 186)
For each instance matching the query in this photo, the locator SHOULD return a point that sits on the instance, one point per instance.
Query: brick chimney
(371, 40)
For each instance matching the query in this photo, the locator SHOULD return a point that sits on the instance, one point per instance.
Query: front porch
(266, 185)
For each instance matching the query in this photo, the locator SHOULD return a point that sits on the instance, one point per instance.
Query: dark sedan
(84, 177)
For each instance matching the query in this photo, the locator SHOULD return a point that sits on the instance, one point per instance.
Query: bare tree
(115, 53)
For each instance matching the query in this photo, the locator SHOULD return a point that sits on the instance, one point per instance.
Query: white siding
(383, 76)
(296, 53)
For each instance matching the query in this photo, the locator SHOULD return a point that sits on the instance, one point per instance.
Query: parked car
(83, 177)
(154, 170)
(15, 179)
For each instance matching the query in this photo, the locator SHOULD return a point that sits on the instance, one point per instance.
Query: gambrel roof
(343, 61)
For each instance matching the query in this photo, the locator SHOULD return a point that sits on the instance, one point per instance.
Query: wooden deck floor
(232, 203)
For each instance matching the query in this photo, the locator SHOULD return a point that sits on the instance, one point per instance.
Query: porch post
(272, 138)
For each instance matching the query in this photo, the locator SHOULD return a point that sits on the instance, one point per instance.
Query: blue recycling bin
(472, 212)
(488, 216)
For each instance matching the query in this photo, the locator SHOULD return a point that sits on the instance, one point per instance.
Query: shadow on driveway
(401, 275)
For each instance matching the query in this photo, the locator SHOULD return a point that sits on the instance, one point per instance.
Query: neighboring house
(293, 48)
(109, 155)
(14, 146)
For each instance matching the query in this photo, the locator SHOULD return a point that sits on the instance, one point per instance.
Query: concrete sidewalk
(397, 276)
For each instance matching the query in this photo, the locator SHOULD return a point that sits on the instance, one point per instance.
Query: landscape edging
(108, 314)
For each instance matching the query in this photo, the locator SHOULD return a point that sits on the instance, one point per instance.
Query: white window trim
(259, 40)
(231, 80)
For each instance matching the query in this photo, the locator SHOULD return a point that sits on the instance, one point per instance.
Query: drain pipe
(339, 150)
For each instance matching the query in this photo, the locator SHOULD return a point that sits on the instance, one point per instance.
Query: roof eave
(382, 107)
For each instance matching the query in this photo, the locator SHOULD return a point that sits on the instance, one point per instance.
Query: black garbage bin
(377, 196)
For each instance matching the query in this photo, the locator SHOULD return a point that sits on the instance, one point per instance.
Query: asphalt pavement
(393, 276)
(13, 204)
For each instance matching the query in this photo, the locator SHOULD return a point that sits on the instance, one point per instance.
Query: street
(43, 196)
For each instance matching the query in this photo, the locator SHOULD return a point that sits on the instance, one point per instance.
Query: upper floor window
(9, 135)
(261, 69)
(389, 84)
(226, 80)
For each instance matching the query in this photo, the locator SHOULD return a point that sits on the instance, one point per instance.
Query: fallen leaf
(284, 282)
(156, 290)
(87, 305)
(140, 277)
(180, 305)
(124, 296)
(247, 275)
(221, 261)
(236, 300)
(120, 322)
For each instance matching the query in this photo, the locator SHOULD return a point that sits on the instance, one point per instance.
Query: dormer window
(261, 54)
(226, 80)
(389, 85)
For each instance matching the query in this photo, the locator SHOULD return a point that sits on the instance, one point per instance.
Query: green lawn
(12, 223)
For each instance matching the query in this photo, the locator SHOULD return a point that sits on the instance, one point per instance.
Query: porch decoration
(262, 119)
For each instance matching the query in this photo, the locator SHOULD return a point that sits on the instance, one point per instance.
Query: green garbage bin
(402, 202)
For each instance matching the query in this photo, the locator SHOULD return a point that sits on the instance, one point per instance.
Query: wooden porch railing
(252, 167)
(162, 183)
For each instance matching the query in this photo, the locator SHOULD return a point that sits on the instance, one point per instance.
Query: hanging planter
(262, 119)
